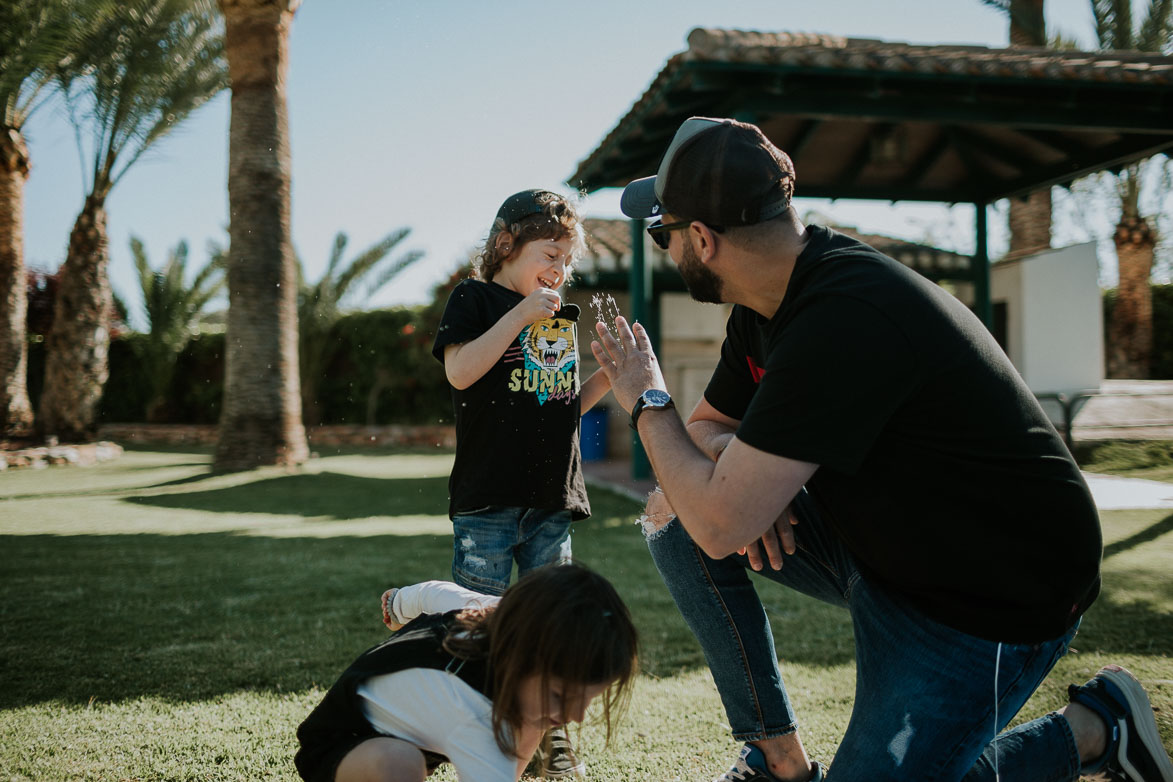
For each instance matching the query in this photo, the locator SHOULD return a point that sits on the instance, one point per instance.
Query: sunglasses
(659, 231)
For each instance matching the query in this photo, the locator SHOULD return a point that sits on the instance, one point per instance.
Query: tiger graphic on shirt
(550, 351)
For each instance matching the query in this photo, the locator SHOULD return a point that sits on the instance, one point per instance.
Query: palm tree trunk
(261, 420)
(1030, 218)
(16, 414)
(1130, 338)
(1030, 224)
(79, 341)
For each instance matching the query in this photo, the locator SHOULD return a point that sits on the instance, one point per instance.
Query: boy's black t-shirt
(938, 468)
(517, 428)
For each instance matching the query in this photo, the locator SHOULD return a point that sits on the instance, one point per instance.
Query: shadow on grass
(189, 617)
(1146, 535)
(327, 494)
(195, 616)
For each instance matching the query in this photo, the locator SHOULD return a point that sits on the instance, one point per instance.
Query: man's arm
(710, 429)
(724, 505)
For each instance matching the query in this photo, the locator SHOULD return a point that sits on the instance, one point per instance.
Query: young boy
(510, 351)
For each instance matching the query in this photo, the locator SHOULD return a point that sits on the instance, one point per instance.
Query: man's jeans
(487, 540)
(925, 693)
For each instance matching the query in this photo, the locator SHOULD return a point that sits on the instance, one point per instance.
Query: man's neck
(761, 281)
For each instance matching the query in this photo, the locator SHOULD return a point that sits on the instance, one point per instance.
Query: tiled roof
(609, 246)
(867, 54)
(957, 123)
(609, 249)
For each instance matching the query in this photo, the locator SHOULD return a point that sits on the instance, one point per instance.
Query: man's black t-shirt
(517, 428)
(937, 467)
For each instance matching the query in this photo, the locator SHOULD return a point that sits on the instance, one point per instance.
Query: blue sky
(428, 114)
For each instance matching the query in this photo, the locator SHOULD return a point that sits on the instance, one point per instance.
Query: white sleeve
(435, 597)
(437, 711)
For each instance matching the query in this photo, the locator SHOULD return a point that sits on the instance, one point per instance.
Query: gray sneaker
(555, 759)
(1135, 752)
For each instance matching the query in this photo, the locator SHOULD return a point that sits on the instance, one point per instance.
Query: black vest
(337, 724)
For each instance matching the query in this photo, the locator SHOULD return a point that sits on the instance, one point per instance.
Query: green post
(640, 287)
(982, 306)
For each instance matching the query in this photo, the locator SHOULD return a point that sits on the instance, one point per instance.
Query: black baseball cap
(719, 171)
(524, 204)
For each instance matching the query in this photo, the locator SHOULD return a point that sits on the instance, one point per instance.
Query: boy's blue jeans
(487, 540)
(925, 693)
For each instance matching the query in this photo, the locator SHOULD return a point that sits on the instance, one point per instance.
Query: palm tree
(319, 305)
(173, 307)
(261, 419)
(32, 41)
(1030, 217)
(147, 66)
(1130, 332)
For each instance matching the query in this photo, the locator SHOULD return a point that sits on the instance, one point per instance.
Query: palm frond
(393, 271)
(1156, 32)
(32, 38)
(368, 260)
(340, 240)
(144, 66)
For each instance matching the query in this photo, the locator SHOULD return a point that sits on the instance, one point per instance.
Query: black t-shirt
(337, 724)
(517, 427)
(938, 468)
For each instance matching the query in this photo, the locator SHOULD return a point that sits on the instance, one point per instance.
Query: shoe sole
(1142, 719)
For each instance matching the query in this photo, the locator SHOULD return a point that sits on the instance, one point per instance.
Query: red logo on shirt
(755, 370)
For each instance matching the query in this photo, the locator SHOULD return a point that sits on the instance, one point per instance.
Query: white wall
(1054, 318)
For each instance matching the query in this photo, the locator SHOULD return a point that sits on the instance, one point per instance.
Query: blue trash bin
(593, 436)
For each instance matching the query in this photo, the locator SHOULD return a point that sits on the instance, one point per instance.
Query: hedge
(391, 347)
(1162, 364)
(394, 345)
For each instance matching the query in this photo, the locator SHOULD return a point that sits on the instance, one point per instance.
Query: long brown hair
(557, 220)
(557, 622)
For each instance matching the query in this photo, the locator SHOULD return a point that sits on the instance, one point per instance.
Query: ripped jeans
(924, 695)
(487, 540)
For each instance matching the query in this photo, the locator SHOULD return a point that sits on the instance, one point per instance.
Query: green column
(640, 287)
(982, 306)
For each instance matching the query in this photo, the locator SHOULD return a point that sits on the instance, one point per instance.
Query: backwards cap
(719, 171)
(524, 204)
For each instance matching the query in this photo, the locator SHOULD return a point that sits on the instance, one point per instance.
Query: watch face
(656, 398)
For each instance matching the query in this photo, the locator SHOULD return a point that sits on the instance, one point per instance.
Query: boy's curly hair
(557, 220)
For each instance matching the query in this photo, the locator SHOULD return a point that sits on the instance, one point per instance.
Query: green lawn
(158, 622)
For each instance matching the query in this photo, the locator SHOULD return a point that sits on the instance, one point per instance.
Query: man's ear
(704, 241)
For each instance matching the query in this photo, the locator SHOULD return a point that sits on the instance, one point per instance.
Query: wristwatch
(652, 399)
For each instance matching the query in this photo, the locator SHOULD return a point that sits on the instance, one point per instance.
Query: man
(862, 421)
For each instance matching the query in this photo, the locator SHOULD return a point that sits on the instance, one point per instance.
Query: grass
(158, 622)
(1151, 459)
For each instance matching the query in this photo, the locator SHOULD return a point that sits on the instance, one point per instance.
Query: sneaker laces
(741, 770)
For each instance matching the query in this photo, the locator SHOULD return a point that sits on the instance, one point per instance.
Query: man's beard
(703, 285)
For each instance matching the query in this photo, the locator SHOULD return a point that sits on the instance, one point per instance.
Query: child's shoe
(1135, 752)
(751, 767)
(389, 617)
(560, 762)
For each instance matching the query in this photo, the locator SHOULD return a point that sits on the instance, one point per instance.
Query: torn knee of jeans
(467, 543)
(473, 562)
(653, 525)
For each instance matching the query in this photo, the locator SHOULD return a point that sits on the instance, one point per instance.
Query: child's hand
(388, 616)
(539, 305)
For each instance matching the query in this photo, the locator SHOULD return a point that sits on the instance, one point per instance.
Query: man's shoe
(1135, 752)
(751, 767)
(560, 762)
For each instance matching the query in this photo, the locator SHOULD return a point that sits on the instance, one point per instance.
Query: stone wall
(112, 436)
(318, 436)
